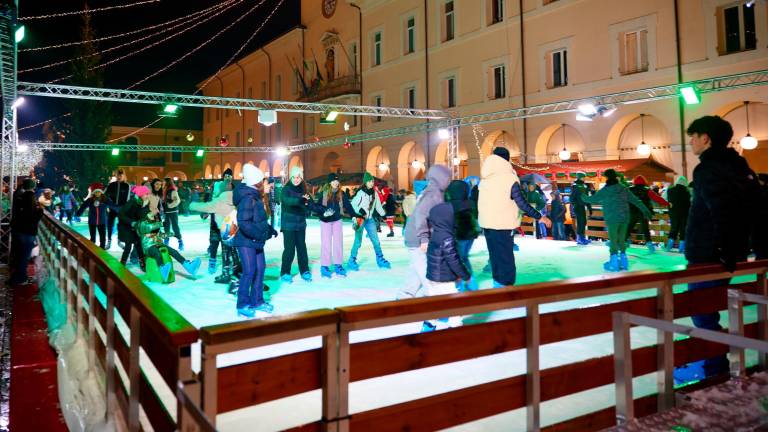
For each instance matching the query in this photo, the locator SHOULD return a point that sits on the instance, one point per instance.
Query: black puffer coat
(133, 211)
(465, 221)
(680, 199)
(443, 261)
(294, 208)
(723, 210)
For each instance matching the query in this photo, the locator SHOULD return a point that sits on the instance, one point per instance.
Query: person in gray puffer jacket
(417, 230)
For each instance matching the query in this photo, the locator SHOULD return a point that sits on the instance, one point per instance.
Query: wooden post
(533, 373)
(78, 297)
(210, 382)
(666, 353)
(329, 368)
(622, 353)
(736, 327)
(186, 420)
(92, 313)
(110, 354)
(762, 318)
(344, 364)
(134, 371)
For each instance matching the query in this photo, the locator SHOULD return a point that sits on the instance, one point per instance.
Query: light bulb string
(86, 11)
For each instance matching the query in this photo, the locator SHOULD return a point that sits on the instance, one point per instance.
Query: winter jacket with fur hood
(417, 227)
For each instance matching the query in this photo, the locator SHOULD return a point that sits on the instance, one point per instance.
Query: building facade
(480, 56)
(142, 166)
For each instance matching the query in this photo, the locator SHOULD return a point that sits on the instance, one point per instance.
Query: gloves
(362, 212)
(329, 213)
(272, 232)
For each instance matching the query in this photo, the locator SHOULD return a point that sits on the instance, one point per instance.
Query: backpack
(229, 227)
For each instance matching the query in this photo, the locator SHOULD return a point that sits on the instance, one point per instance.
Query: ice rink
(203, 303)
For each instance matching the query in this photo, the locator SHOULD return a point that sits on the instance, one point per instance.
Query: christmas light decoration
(87, 11)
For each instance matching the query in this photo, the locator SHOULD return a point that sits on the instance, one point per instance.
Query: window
(295, 128)
(410, 97)
(736, 28)
(497, 11)
(263, 90)
(354, 121)
(263, 134)
(498, 84)
(176, 156)
(278, 132)
(208, 115)
(250, 92)
(217, 115)
(410, 35)
(449, 92)
(377, 48)
(377, 102)
(557, 68)
(278, 87)
(237, 139)
(353, 56)
(633, 52)
(310, 126)
(449, 21)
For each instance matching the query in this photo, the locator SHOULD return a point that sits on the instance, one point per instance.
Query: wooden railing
(332, 371)
(83, 272)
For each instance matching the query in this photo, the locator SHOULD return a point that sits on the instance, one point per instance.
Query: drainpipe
(680, 106)
(242, 114)
(360, 59)
(525, 102)
(426, 76)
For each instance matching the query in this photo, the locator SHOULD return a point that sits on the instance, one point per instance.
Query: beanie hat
(252, 175)
(140, 191)
(640, 181)
(227, 172)
(367, 177)
(297, 171)
(96, 187)
(502, 152)
(681, 180)
(332, 177)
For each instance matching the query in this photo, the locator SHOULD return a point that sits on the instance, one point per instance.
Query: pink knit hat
(140, 191)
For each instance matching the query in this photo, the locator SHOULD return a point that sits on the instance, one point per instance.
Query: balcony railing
(346, 85)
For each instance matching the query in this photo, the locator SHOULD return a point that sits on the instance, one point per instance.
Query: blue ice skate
(515, 247)
(264, 307)
(165, 241)
(212, 264)
(471, 285)
(246, 312)
(670, 244)
(286, 278)
(427, 327)
(181, 245)
(307, 276)
(651, 247)
(326, 272)
(340, 270)
(623, 261)
(691, 372)
(613, 264)
(192, 266)
(352, 264)
(383, 263)
(165, 270)
(682, 246)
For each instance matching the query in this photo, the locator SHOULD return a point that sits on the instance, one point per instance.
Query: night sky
(181, 78)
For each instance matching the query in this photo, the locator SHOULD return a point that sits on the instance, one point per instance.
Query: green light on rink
(115, 151)
(20, 32)
(690, 95)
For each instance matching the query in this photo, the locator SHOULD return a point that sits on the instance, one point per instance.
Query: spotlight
(169, 110)
(456, 161)
(690, 95)
(18, 102)
(582, 117)
(416, 164)
(23, 148)
(587, 109)
(175, 179)
(147, 178)
(282, 152)
(346, 127)
(250, 140)
(267, 117)
(443, 134)
(606, 110)
(19, 34)
(115, 151)
(199, 153)
(329, 117)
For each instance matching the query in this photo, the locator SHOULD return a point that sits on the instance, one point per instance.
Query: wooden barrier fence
(332, 371)
(82, 270)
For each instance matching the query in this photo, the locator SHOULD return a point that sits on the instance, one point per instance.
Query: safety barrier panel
(83, 272)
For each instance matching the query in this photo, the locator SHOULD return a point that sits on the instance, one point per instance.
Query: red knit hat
(640, 181)
(96, 187)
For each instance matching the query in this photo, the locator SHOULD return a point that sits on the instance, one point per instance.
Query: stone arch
(758, 127)
(377, 156)
(653, 131)
(406, 174)
(217, 171)
(441, 156)
(278, 169)
(208, 171)
(574, 142)
(141, 174)
(198, 175)
(543, 141)
(331, 163)
(499, 138)
(180, 175)
(263, 166)
(237, 171)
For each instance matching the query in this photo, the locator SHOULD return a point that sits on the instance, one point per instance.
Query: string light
(135, 132)
(161, 41)
(44, 122)
(87, 11)
(119, 35)
(135, 41)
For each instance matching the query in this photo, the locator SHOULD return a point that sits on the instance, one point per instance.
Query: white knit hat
(252, 175)
(297, 171)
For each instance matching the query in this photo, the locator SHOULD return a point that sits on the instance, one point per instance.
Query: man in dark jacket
(118, 192)
(679, 198)
(579, 208)
(25, 218)
(723, 186)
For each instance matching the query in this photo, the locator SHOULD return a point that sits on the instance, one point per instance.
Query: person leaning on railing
(25, 218)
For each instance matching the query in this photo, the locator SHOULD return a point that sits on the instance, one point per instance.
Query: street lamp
(564, 153)
(748, 142)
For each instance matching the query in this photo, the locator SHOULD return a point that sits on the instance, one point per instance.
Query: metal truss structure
(8, 134)
(153, 98)
(144, 148)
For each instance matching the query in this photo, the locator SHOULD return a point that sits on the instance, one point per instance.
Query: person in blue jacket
(252, 233)
(97, 205)
(68, 204)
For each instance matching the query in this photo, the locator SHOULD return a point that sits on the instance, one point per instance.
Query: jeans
(250, 293)
(154, 252)
(500, 250)
(68, 213)
(634, 218)
(369, 225)
(581, 220)
(214, 238)
(710, 321)
(558, 230)
(294, 242)
(132, 245)
(679, 225)
(102, 234)
(22, 251)
(464, 246)
(172, 220)
(111, 217)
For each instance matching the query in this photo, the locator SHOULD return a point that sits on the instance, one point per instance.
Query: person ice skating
(97, 204)
(641, 190)
(679, 198)
(46, 200)
(252, 233)
(331, 204)
(153, 241)
(409, 204)
(417, 230)
(68, 204)
(390, 208)
(579, 208)
(365, 204)
(445, 265)
(466, 229)
(220, 206)
(295, 202)
(536, 200)
(118, 193)
(156, 197)
(130, 215)
(171, 202)
(557, 215)
(615, 199)
(500, 202)
(723, 186)
(214, 232)
(25, 218)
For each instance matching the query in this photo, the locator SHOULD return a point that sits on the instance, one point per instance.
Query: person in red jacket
(641, 190)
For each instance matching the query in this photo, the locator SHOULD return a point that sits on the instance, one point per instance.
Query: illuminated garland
(103, 38)
(86, 11)
(44, 122)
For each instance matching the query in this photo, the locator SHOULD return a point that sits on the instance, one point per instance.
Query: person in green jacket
(152, 236)
(615, 199)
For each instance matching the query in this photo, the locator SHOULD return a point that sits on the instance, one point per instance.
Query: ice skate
(192, 266)
(264, 307)
(109, 244)
(681, 249)
(340, 270)
(166, 241)
(326, 272)
(165, 270)
(286, 278)
(224, 278)
(612, 265)
(246, 312)
(352, 264)
(623, 261)
(670, 244)
(181, 245)
(651, 247)
(383, 263)
(307, 276)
